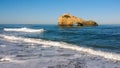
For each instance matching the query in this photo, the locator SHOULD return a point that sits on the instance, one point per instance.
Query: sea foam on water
(5, 59)
(108, 55)
(24, 29)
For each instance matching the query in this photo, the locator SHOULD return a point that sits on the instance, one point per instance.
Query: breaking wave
(24, 30)
(108, 55)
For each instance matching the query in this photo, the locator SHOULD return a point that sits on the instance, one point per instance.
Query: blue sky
(48, 11)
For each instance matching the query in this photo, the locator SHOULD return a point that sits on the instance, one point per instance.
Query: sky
(48, 11)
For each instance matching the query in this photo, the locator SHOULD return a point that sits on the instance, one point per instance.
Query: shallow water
(103, 36)
(22, 43)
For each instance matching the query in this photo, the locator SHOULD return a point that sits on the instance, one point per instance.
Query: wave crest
(108, 55)
(24, 29)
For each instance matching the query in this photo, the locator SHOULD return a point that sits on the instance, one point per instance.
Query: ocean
(29, 41)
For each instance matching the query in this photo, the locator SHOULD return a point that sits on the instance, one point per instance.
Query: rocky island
(70, 20)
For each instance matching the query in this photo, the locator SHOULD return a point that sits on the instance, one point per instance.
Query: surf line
(107, 55)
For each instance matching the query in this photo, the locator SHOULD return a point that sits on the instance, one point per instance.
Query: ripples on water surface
(26, 39)
(103, 36)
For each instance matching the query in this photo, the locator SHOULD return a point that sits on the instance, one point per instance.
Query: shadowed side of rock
(69, 20)
(90, 23)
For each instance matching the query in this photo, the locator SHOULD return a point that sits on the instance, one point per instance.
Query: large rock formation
(69, 20)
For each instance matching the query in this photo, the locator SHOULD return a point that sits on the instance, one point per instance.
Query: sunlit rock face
(70, 20)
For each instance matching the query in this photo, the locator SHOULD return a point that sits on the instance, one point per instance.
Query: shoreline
(54, 57)
(41, 55)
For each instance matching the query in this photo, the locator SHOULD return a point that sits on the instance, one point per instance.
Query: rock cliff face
(69, 20)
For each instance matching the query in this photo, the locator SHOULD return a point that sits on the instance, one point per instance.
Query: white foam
(3, 46)
(5, 59)
(108, 55)
(24, 30)
(10, 59)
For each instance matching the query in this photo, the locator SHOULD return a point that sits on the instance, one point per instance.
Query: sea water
(25, 41)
